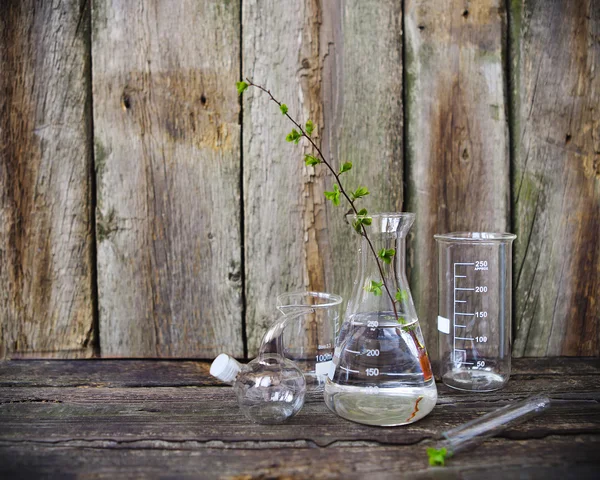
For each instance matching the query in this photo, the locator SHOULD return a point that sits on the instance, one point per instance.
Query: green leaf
(386, 255)
(309, 127)
(284, 108)
(311, 160)
(334, 196)
(401, 295)
(437, 456)
(361, 220)
(375, 288)
(401, 320)
(293, 136)
(241, 86)
(360, 192)
(345, 167)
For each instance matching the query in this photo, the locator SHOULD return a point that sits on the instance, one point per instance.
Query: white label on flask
(322, 368)
(331, 372)
(443, 324)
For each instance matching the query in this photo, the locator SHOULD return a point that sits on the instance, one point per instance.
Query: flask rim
(388, 223)
(407, 215)
(330, 300)
(475, 237)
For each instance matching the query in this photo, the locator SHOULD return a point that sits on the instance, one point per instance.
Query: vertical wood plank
(363, 115)
(457, 133)
(167, 147)
(556, 190)
(338, 63)
(283, 201)
(46, 270)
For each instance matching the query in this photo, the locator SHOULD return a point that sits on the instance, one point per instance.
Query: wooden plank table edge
(149, 419)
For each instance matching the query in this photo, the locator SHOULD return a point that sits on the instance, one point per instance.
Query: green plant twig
(302, 133)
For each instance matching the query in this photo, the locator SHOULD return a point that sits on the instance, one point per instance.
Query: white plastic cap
(225, 368)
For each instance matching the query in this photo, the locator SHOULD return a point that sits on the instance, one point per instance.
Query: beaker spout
(273, 338)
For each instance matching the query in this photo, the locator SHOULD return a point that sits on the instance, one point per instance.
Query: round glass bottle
(381, 374)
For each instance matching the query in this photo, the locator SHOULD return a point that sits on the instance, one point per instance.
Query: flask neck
(381, 284)
(394, 269)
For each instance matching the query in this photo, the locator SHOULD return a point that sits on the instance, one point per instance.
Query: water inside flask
(381, 373)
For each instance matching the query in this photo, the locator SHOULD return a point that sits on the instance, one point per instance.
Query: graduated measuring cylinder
(474, 309)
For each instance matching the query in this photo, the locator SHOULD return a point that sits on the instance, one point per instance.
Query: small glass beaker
(474, 309)
(310, 340)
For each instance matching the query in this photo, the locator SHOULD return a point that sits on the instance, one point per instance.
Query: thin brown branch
(342, 189)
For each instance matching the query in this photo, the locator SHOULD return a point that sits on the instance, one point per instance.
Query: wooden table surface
(170, 419)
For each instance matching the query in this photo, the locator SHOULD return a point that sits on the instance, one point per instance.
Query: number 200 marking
(373, 353)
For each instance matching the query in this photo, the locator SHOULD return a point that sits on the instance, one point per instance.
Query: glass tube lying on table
(474, 432)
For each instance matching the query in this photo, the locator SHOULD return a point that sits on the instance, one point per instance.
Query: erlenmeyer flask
(381, 374)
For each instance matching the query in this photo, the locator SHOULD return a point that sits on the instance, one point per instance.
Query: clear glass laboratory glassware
(269, 389)
(310, 340)
(474, 309)
(381, 374)
(471, 434)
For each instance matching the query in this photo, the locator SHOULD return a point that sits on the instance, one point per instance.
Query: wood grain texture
(335, 63)
(177, 373)
(562, 458)
(457, 131)
(46, 307)
(209, 414)
(556, 186)
(106, 373)
(284, 206)
(105, 426)
(361, 48)
(167, 148)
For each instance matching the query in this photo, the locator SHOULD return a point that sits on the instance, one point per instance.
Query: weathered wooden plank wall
(363, 113)
(167, 149)
(203, 215)
(46, 241)
(457, 131)
(283, 214)
(320, 60)
(556, 177)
